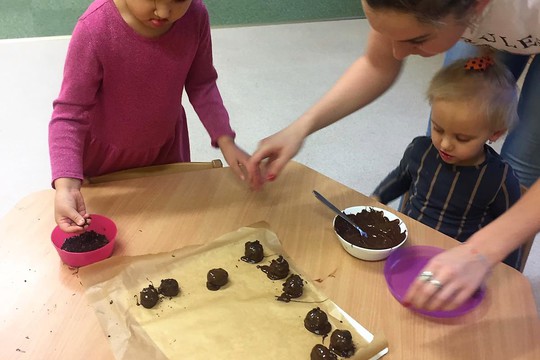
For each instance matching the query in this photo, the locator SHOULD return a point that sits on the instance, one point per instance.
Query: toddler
(119, 106)
(457, 183)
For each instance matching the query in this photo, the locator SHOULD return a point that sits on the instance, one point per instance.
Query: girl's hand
(460, 271)
(235, 157)
(277, 149)
(69, 208)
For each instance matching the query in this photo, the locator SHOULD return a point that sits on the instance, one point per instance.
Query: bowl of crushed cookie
(93, 245)
(385, 232)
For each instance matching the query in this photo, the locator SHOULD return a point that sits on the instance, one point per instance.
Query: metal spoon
(338, 212)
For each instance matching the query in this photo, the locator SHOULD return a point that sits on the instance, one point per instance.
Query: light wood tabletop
(44, 314)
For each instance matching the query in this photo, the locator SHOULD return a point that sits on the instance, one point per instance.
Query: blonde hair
(493, 89)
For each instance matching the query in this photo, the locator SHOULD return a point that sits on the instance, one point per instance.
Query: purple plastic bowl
(101, 225)
(404, 265)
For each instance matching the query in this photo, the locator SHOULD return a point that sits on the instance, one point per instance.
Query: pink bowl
(101, 225)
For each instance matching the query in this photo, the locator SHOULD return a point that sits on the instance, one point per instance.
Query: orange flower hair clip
(479, 63)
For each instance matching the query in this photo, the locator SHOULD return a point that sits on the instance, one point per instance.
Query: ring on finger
(426, 276)
(436, 283)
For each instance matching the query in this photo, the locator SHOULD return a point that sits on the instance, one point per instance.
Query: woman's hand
(462, 270)
(234, 156)
(69, 208)
(277, 149)
(448, 280)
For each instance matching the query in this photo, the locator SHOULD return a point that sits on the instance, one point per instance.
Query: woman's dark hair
(427, 10)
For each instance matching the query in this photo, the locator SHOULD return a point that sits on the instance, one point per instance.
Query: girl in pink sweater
(120, 107)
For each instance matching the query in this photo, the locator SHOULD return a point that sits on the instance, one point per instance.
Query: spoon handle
(338, 212)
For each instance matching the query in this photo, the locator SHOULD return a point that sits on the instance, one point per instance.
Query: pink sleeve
(202, 89)
(69, 123)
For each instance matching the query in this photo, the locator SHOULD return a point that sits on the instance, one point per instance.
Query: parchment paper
(242, 320)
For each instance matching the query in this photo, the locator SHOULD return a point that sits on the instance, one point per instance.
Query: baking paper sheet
(242, 320)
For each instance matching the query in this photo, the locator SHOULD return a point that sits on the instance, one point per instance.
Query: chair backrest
(154, 171)
(403, 201)
(525, 248)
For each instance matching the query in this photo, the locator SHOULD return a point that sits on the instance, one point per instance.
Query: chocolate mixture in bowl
(87, 241)
(382, 233)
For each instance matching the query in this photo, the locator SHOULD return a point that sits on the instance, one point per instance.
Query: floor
(269, 75)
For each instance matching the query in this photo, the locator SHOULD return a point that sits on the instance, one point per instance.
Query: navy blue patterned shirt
(455, 200)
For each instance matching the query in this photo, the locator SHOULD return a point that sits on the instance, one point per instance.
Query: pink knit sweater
(120, 102)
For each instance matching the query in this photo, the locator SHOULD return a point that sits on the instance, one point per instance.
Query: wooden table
(44, 314)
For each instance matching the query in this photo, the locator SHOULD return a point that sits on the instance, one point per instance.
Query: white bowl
(365, 253)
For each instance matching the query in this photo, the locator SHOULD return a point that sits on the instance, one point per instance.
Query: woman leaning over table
(399, 28)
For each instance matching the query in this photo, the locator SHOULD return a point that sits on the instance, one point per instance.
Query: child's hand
(235, 157)
(69, 208)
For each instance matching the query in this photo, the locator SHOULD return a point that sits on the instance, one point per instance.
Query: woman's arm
(365, 80)
(462, 269)
(512, 229)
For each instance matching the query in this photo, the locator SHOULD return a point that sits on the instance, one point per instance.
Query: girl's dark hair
(427, 10)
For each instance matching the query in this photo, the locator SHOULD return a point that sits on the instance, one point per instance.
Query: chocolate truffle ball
(149, 296)
(278, 269)
(293, 288)
(316, 321)
(321, 352)
(169, 287)
(341, 343)
(216, 278)
(253, 252)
